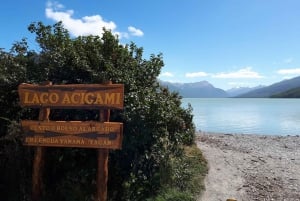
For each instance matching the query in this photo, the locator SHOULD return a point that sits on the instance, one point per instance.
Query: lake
(246, 115)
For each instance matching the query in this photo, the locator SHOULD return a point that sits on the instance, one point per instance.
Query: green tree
(156, 126)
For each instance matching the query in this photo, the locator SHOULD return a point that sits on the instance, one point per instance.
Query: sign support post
(102, 163)
(102, 170)
(38, 166)
(39, 161)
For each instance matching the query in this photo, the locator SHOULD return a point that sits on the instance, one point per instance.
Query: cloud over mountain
(246, 72)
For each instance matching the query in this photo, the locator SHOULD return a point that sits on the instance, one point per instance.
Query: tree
(156, 126)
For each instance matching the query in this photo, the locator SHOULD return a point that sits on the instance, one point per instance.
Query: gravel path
(251, 167)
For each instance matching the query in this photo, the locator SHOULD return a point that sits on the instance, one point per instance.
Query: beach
(251, 167)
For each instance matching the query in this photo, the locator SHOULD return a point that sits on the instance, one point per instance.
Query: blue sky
(230, 43)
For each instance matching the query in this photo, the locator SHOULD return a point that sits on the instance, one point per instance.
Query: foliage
(15, 165)
(173, 195)
(187, 173)
(156, 127)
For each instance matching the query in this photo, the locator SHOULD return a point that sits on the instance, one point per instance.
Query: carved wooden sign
(88, 134)
(85, 96)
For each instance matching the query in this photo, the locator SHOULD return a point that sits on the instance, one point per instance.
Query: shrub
(156, 126)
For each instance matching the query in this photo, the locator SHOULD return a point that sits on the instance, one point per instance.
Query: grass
(187, 177)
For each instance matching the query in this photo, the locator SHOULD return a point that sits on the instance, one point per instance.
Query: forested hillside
(292, 93)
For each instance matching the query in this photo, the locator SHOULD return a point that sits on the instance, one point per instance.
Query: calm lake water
(248, 116)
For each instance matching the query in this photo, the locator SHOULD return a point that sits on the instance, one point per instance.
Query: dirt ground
(251, 167)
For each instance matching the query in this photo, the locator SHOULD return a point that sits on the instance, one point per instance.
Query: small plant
(186, 175)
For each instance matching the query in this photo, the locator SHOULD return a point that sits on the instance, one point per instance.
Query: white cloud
(87, 25)
(166, 74)
(246, 72)
(134, 31)
(291, 71)
(196, 74)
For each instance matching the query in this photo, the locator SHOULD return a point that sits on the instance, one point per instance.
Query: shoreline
(250, 167)
(202, 132)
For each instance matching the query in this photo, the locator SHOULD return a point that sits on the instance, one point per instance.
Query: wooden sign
(73, 134)
(102, 135)
(84, 96)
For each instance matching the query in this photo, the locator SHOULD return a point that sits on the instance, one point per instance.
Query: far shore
(251, 167)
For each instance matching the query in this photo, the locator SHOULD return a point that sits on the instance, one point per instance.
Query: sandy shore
(251, 167)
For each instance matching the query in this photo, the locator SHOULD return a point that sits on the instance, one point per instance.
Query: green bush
(185, 176)
(173, 195)
(156, 127)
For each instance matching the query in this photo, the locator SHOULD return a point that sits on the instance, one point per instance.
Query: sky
(229, 43)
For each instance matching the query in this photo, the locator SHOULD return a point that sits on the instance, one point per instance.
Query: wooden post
(102, 175)
(102, 170)
(39, 161)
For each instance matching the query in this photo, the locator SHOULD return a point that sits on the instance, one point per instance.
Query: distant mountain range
(273, 89)
(201, 89)
(204, 89)
(241, 90)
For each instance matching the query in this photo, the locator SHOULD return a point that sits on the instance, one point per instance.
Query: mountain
(201, 89)
(276, 88)
(241, 90)
(292, 93)
(205, 89)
